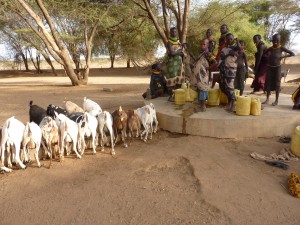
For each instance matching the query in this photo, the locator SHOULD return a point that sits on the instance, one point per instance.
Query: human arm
(172, 52)
(245, 58)
(290, 53)
(259, 54)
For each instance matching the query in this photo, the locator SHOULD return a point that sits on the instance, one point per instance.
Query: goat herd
(56, 129)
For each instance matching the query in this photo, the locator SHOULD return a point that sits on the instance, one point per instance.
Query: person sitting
(157, 83)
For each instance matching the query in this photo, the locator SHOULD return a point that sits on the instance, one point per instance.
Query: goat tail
(30, 103)
(65, 100)
(26, 132)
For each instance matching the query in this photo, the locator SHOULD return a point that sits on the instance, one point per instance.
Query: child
(200, 71)
(228, 68)
(273, 80)
(242, 69)
(157, 83)
(212, 42)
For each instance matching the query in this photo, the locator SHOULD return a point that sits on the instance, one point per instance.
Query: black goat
(36, 113)
(52, 108)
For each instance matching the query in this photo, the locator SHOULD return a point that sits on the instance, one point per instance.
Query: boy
(200, 71)
(157, 83)
(273, 80)
(228, 68)
(212, 42)
(242, 69)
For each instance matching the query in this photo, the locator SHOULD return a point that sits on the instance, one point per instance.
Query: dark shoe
(277, 163)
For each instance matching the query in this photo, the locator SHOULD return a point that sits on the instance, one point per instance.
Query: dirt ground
(171, 179)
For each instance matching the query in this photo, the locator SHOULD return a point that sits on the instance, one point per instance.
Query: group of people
(230, 61)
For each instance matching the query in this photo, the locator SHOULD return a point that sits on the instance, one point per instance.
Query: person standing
(242, 69)
(275, 56)
(260, 68)
(174, 65)
(222, 44)
(200, 71)
(228, 68)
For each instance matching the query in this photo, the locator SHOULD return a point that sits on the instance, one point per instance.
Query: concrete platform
(216, 122)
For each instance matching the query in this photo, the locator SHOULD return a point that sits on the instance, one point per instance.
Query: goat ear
(120, 109)
(55, 113)
(84, 99)
(134, 112)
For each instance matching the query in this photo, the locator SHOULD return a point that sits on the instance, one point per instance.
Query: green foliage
(213, 16)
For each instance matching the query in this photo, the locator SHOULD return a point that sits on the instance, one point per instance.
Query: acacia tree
(39, 20)
(166, 13)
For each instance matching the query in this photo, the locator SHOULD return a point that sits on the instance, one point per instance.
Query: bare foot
(275, 103)
(265, 102)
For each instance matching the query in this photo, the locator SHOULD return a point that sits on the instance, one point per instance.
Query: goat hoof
(94, 153)
(125, 146)
(145, 140)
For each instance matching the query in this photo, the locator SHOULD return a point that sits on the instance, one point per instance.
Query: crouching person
(157, 83)
(200, 72)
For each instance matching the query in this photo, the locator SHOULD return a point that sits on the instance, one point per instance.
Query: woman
(173, 73)
(260, 69)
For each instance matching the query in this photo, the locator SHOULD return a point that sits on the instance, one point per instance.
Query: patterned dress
(228, 68)
(174, 66)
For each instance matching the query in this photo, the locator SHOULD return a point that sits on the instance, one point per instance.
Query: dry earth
(172, 179)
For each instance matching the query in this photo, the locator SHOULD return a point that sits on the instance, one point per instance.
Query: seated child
(157, 83)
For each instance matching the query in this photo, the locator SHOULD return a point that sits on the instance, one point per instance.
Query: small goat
(12, 135)
(36, 113)
(133, 123)
(154, 118)
(144, 113)
(120, 124)
(32, 138)
(91, 107)
(50, 137)
(68, 133)
(105, 120)
(72, 107)
(52, 109)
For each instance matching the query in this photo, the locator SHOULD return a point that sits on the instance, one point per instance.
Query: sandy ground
(172, 179)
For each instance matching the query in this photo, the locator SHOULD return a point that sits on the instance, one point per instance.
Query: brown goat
(120, 124)
(133, 124)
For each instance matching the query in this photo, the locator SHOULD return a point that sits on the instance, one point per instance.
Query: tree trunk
(112, 60)
(128, 63)
(48, 60)
(25, 60)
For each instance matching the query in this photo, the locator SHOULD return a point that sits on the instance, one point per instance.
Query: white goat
(68, 133)
(105, 120)
(144, 113)
(72, 107)
(88, 128)
(50, 137)
(12, 135)
(90, 106)
(32, 138)
(154, 118)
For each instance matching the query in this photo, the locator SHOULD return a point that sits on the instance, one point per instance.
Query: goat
(72, 107)
(90, 106)
(144, 113)
(68, 133)
(87, 127)
(36, 113)
(105, 119)
(154, 118)
(50, 137)
(133, 123)
(52, 109)
(32, 138)
(120, 124)
(12, 135)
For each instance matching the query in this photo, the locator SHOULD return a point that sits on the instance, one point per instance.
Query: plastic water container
(295, 144)
(223, 97)
(193, 94)
(179, 96)
(255, 107)
(213, 97)
(243, 105)
(186, 88)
